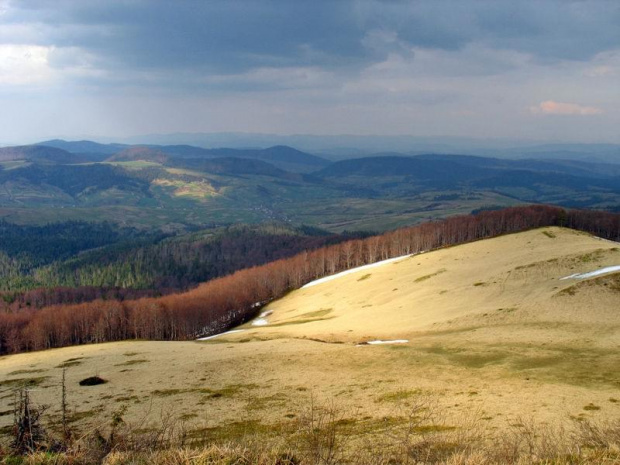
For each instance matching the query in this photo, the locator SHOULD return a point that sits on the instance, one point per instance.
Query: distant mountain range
(337, 147)
(184, 184)
(283, 157)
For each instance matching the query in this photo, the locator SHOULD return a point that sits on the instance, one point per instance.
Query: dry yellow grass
(501, 282)
(493, 333)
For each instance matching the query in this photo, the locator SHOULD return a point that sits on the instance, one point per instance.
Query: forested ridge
(151, 263)
(24, 249)
(57, 241)
(223, 302)
(180, 264)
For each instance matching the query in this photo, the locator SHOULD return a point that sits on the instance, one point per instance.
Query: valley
(183, 186)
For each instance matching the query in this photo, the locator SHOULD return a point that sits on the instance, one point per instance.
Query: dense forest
(24, 249)
(223, 302)
(153, 264)
(183, 262)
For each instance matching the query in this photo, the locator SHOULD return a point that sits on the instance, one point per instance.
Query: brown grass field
(494, 337)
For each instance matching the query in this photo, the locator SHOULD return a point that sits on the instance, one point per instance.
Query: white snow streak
(354, 270)
(379, 342)
(221, 334)
(591, 274)
(395, 341)
(260, 322)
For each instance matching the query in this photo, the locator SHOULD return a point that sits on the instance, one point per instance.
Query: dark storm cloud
(234, 36)
(548, 29)
(219, 36)
(463, 67)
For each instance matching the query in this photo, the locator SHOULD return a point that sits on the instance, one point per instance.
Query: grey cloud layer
(533, 68)
(234, 36)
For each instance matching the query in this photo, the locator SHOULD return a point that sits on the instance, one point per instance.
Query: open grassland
(188, 197)
(495, 339)
(209, 201)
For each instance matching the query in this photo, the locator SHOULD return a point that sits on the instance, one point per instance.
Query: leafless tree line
(224, 302)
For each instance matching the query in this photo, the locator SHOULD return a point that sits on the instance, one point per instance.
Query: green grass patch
(317, 313)
(399, 396)
(71, 362)
(610, 282)
(23, 382)
(25, 372)
(168, 392)
(590, 257)
(468, 359)
(569, 291)
(478, 360)
(236, 431)
(429, 276)
(127, 399)
(507, 310)
(268, 402)
(529, 363)
(77, 416)
(131, 362)
(299, 322)
(227, 391)
(591, 407)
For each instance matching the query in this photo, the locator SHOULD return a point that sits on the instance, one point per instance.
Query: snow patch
(606, 240)
(591, 274)
(221, 334)
(260, 322)
(354, 270)
(395, 341)
(265, 314)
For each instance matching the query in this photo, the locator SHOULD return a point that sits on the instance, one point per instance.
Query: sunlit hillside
(487, 331)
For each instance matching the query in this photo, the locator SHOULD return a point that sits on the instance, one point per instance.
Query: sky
(537, 70)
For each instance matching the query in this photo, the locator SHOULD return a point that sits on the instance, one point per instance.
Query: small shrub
(591, 407)
(92, 381)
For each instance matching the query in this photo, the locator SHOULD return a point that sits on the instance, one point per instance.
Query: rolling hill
(281, 156)
(84, 146)
(185, 186)
(566, 183)
(487, 288)
(139, 153)
(487, 335)
(40, 153)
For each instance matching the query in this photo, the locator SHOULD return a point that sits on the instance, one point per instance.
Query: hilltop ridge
(486, 329)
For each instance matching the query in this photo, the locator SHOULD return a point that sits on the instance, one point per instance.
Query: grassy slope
(496, 334)
(458, 287)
